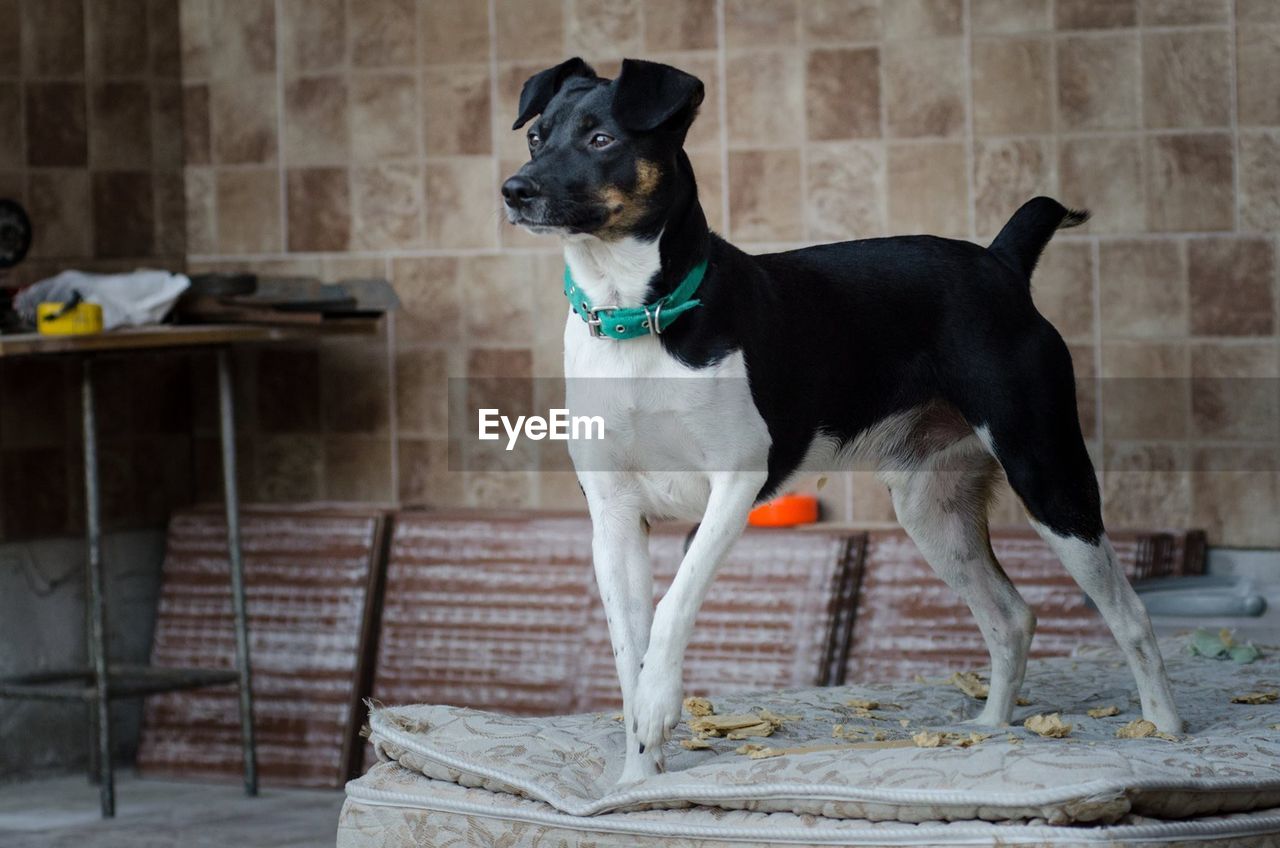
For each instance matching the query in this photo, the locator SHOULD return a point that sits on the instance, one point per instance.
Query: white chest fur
(669, 428)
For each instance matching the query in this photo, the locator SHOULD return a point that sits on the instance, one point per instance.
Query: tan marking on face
(626, 208)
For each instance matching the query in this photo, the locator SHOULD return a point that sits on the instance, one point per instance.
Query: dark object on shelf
(243, 298)
(15, 233)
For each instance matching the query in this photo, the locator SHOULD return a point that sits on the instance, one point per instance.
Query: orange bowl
(785, 511)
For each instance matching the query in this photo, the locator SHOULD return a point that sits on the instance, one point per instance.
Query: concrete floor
(63, 813)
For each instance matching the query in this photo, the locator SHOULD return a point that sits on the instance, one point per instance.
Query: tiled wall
(370, 136)
(91, 145)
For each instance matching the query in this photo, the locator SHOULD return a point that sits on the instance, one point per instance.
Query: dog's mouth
(542, 218)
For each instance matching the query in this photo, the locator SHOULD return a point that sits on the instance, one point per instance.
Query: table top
(181, 336)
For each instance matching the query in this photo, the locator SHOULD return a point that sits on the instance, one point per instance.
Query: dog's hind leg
(1043, 453)
(942, 504)
(620, 551)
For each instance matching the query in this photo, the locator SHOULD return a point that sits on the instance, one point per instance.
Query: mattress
(449, 775)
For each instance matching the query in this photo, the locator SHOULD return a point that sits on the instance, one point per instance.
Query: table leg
(97, 600)
(226, 410)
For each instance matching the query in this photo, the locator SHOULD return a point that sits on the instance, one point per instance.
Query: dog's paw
(640, 767)
(657, 710)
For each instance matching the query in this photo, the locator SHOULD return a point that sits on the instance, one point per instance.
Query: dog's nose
(519, 190)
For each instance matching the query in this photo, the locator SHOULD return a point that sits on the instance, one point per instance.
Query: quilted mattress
(449, 775)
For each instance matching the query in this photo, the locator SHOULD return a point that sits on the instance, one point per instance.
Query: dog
(922, 355)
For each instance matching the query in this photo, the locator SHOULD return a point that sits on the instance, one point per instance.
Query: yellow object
(83, 319)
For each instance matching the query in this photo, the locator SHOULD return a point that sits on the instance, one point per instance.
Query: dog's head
(602, 153)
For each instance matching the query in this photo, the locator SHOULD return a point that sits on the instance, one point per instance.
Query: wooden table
(97, 684)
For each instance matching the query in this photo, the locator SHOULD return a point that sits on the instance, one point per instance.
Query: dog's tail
(1022, 240)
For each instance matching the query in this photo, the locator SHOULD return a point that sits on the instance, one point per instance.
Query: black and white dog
(924, 355)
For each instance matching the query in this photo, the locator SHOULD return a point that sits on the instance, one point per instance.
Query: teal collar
(635, 321)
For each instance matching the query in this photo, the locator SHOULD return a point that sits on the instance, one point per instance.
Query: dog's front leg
(659, 691)
(620, 550)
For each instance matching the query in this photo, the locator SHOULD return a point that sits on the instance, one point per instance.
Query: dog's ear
(649, 95)
(542, 86)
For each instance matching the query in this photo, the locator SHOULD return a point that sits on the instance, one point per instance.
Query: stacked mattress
(450, 775)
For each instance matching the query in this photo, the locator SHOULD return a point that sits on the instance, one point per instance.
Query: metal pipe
(97, 595)
(231, 495)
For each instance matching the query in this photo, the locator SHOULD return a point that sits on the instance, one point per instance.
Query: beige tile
(319, 209)
(422, 392)
(1012, 90)
(928, 190)
(498, 299)
(1007, 16)
(530, 29)
(766, 98)
(313, 35)
(1233, 391)
(354, 386)
(52, 37)
(10, 39)
(511, 79)
(248, 211)
(1006, 174)
(708, 170)
(242, 38)
(827, 21)
(195, 33)
(1098, 84)
(846, 194)
(757, 23)
(123, 214)
(386, 207)
(431, 301)
(842, 94)
(456, 109)
(764, 195)
(1257, 69)
(242, 114)
(116, 37)
(1145, 391)
(705, 134)
(200, 219)
(384, 116)
(315, 121)
(1183, 12)
(1095, 14)
(1062, 288)
(1084, 365)
(1232, 286)
(1257, 12)
(680, 25)
(1189, 182)
(120, 126)
(357, 469)
(171, 212)
(56, 124)
(1146, 486)
(500, 489)
(1260, 181)
(924, 88)
(286, 385)
(383, 33)
(462, 202)
(289, 469)
(453, 31)
(196, 142)
(603, 27)
(12, 151)
(167, 125)
(58, 201)
(1186, 79)
(425, 477)
(922, 18)
(1104, 175)
(1143, 289)
(1236, 495)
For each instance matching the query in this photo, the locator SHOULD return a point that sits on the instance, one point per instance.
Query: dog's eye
(534, 139)
(600, 141)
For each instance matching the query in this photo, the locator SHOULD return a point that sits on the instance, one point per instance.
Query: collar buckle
(594, 323)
